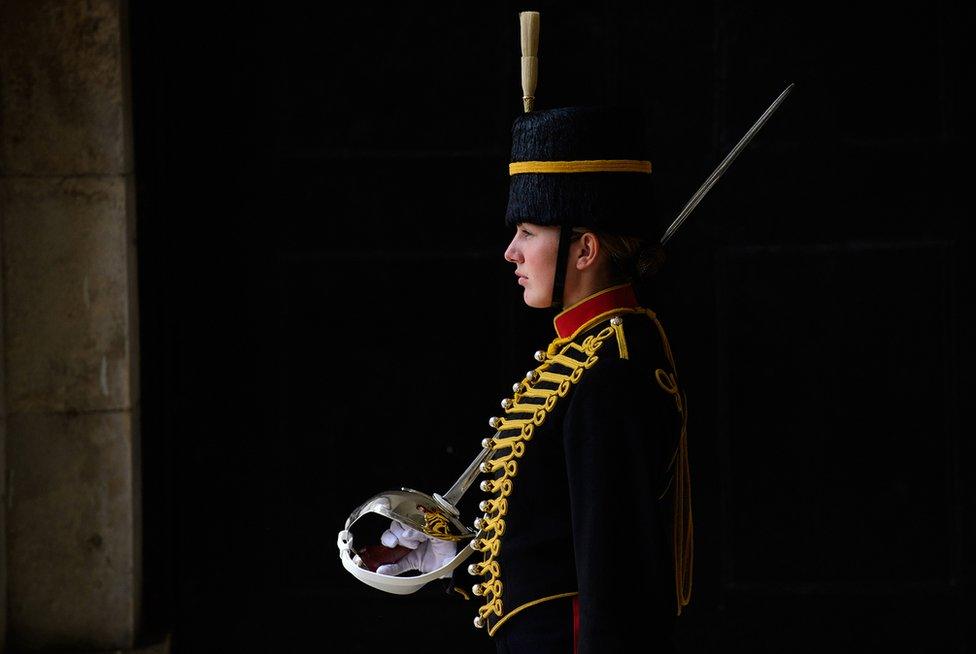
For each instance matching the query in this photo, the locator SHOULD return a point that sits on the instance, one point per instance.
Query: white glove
(428, 553)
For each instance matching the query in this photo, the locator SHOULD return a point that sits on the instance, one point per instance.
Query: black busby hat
(584, 166)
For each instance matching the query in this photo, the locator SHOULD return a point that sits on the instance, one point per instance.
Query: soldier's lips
(522, 280)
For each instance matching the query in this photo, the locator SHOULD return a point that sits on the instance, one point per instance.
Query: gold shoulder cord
(683, 528)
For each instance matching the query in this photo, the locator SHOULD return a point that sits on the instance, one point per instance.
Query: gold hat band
(584, 166)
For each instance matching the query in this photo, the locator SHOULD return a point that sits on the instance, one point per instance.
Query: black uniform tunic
(576, 534)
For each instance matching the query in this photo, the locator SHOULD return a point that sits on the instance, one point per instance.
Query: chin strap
(562, 255)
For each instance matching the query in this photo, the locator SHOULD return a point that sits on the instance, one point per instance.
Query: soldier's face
(533, 251)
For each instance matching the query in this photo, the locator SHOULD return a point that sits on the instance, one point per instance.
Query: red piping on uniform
(575, 624)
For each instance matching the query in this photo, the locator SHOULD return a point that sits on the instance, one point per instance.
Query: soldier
(585, 540)
(586, 526)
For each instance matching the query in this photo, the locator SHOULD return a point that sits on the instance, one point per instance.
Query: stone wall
(70, 332)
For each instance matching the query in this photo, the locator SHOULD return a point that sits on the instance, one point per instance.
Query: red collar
(616, 297)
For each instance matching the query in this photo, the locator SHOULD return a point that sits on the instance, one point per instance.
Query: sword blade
(467, 477)
(722, 167)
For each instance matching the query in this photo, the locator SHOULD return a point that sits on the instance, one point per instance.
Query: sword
(722, 167)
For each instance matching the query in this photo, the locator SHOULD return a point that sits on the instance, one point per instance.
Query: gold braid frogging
(493, 523)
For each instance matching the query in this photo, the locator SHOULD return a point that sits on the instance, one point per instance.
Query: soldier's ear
(589, 250)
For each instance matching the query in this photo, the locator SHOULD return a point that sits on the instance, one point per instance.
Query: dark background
(326, 312)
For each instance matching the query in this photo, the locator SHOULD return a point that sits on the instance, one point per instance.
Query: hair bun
(650, 258)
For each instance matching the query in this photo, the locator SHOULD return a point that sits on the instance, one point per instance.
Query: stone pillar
(3, 460)
(70, 330)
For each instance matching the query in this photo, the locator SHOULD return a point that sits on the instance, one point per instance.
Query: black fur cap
(612, 202)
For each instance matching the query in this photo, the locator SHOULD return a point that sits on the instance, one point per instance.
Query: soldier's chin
(536, 300)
